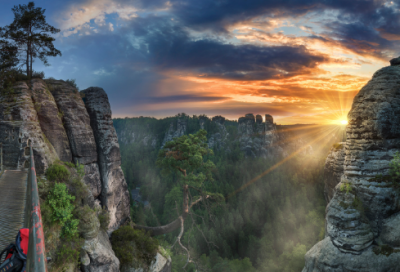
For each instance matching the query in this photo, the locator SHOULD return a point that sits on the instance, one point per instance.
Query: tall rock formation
(363, 215)
(257, 137)
(77, 125)
(174, 132)
(115, 195)
(54, 117)
(218, 140)
(19, 123)
(50, 119)
(333, 171)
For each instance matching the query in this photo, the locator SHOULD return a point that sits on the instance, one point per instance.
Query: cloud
(83, 14)
(219, 14)
(169, 46)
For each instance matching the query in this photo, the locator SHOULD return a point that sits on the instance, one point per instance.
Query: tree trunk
(31, 70)
(29, 54)
(154, 231)
(27, 60)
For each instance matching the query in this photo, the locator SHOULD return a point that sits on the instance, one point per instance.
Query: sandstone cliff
(114, 189)
(363, 212)
(255, 137)
(52, 116)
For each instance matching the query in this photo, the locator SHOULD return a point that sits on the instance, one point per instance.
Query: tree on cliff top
(8, 60)
(29, 33)
(184, 156)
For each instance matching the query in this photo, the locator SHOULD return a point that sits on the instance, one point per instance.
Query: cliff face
(19, 123)
(257, 138)
(54, 117)
(114, 191)
(172, 132)
(362, 220)
(333, 171)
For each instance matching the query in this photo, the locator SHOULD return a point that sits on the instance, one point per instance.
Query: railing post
(36, 259)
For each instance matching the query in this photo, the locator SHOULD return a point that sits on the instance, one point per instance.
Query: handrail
(36, 259)
(1, 159)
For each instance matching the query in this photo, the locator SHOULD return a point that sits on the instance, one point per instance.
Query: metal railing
(1, 159)
(36, 259)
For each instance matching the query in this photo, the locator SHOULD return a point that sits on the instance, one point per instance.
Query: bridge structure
(20, 208)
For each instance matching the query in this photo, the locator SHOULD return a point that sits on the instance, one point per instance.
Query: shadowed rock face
(269, 119)
(172, 133)
(97, 255)
(76, 121)
(115, 195)
(80, 135)
(49, 119)
(368, 213)
(333, 170)
(18, 124)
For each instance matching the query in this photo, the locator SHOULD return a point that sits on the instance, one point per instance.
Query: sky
(302, 61)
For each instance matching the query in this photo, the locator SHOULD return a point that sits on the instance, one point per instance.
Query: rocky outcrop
(159, 264)
(324, 256)
(97, 255)
(52, 116)
(50, 119)
(174, 132)
(77, 125)
(257, 138)
(76, 121)
(395, 61)
(218, 140)
(19, 123)
(365, 206)
(333, 169)
(114, 195)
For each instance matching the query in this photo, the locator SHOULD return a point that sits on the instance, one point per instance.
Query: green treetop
(29, 33)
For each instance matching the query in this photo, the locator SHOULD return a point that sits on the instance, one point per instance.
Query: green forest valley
(265, 225)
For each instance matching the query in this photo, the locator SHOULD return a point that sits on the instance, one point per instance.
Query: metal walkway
(13, 186)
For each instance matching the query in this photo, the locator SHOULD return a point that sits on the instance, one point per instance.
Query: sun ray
(281, 162)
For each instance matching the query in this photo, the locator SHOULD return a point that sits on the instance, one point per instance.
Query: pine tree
(29, 33)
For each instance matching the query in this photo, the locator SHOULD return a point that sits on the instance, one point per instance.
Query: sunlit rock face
(114, 191)
(19, 123)
(364, 210)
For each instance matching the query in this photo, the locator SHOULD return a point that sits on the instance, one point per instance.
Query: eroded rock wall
(50, 119)
(364, 210)
(19, 123)
(333, 171)
(115, 195)
(80, 135)
(181, 126)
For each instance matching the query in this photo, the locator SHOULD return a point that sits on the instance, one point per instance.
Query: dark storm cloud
(366, 33)
(170, 47)
(219, 13)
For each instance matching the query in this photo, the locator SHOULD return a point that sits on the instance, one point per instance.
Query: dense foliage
(132, 245)
(62, 206)
(65, 213)
(28, 36)
(267, 226)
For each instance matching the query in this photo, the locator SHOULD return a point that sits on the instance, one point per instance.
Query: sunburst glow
(344, 122)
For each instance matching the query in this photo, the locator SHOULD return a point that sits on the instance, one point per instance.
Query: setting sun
(344, 122)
